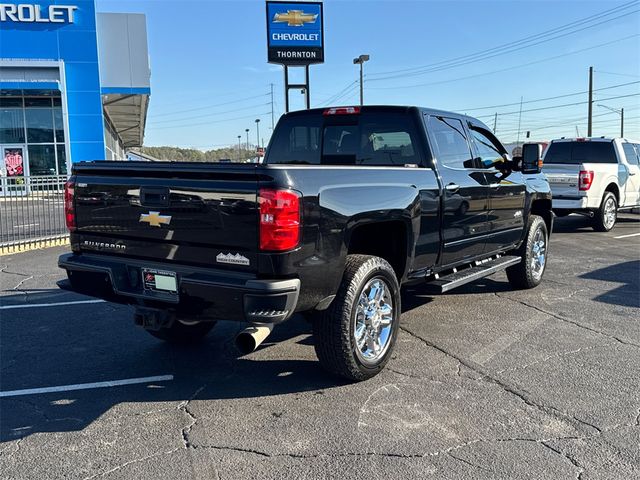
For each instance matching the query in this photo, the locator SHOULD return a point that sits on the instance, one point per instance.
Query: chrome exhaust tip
(250, 338)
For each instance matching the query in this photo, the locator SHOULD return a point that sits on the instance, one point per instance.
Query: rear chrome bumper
(202, 293)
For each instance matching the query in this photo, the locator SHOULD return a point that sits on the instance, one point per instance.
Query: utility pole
(360, 61)
(272, 121)
(257, 132)
(590, 121)
(619, 112)
(247, 131)
(495, 122)
(519, 122)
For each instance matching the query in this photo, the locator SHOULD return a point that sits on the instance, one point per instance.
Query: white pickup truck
(594, 177)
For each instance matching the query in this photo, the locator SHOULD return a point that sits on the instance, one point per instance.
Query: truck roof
(394, 108)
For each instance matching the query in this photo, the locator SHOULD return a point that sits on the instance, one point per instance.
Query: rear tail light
(585, 179)
(342, 111)
(69, 207)
(279, 219)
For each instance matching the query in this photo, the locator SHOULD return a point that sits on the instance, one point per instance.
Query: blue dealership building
(74, 85)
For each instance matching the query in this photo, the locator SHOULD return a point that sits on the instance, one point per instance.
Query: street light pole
(360, 61)
(239, 137)
(258, 132)
(619, 112)
(247, 131)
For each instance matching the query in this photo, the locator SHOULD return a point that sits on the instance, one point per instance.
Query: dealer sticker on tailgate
(159, 280)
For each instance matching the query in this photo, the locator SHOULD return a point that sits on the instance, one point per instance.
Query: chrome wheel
(538, 253)
(609, 213)
(374, 316)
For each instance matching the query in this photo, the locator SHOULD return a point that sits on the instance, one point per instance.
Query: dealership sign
(28, 13)
(295, 33)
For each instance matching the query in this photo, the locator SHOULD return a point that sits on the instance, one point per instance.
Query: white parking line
(627, 236)
(42, 305)
(86, 386)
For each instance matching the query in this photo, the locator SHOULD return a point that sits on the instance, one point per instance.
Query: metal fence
(31, 211)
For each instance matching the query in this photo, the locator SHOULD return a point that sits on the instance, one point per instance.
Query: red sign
(13, 162)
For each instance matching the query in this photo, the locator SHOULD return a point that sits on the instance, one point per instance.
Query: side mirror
(531, 158)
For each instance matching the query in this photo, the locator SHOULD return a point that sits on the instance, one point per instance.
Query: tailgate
(563, 180)
(204, 215)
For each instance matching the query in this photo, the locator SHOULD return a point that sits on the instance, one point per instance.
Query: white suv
(594, 176)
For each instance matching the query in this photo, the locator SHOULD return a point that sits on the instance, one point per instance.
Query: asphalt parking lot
(486, 383)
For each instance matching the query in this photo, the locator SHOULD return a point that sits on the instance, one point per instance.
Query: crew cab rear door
(507, 192)
(464, 203)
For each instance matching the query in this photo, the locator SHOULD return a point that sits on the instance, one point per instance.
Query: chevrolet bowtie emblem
(155, 219)
(295, 18)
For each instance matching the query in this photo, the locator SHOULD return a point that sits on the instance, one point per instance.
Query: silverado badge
(155, 219)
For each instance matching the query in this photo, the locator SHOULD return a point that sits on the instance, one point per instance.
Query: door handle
(631, 173)
(452, 187)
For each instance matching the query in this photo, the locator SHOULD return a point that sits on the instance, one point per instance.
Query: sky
(211, 80)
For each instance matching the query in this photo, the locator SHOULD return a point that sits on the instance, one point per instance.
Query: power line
(334, 97)
(549, 98)
(214, 121)
(209, 106)
(507, 69)
(208, 114)
(559, 106)
(617, 74)
(507, 48)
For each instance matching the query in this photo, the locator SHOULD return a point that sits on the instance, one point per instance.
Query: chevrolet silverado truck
(595, 177)
(350, 204)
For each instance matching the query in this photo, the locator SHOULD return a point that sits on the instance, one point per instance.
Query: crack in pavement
(573, 461)
(17, 445)
(569, 321)
(564, 416)
(553, 356)
(135, 460)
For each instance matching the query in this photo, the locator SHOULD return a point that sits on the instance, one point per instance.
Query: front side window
(488, 152)
(631, 152)
(450, 142)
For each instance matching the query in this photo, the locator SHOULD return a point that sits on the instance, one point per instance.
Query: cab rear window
(368, 139)
(574, 153)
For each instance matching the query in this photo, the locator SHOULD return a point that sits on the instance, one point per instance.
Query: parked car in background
(594, 177)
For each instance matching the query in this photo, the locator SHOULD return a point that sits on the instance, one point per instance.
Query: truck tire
(355, 336)
(606, 216)
(183, 333)
(533, 251)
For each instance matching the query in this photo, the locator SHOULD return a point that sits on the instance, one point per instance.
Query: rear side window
(370, 138)
(451, 145)
(580, 152)
(632, 153)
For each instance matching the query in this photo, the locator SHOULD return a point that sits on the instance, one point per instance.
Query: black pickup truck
(350, 204)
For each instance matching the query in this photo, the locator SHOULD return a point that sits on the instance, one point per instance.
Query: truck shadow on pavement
(580, 223)
(67, 352)
(627, 273)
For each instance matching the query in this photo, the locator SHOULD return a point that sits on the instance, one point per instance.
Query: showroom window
(33, 120)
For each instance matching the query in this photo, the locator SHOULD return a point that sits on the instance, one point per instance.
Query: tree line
(193, 155)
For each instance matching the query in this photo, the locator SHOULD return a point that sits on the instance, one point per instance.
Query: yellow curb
(38, 245)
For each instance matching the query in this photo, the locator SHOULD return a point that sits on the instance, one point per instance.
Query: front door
(464, 215)
(507, 192)
(13, 170)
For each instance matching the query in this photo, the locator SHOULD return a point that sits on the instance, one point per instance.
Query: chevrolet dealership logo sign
(155, 219)
(27, 13)
(295, 32)
(295, 18)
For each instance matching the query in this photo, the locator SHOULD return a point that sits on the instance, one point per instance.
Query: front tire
(183, 333)
(355, 336)
(533, 251)
(607, 215)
